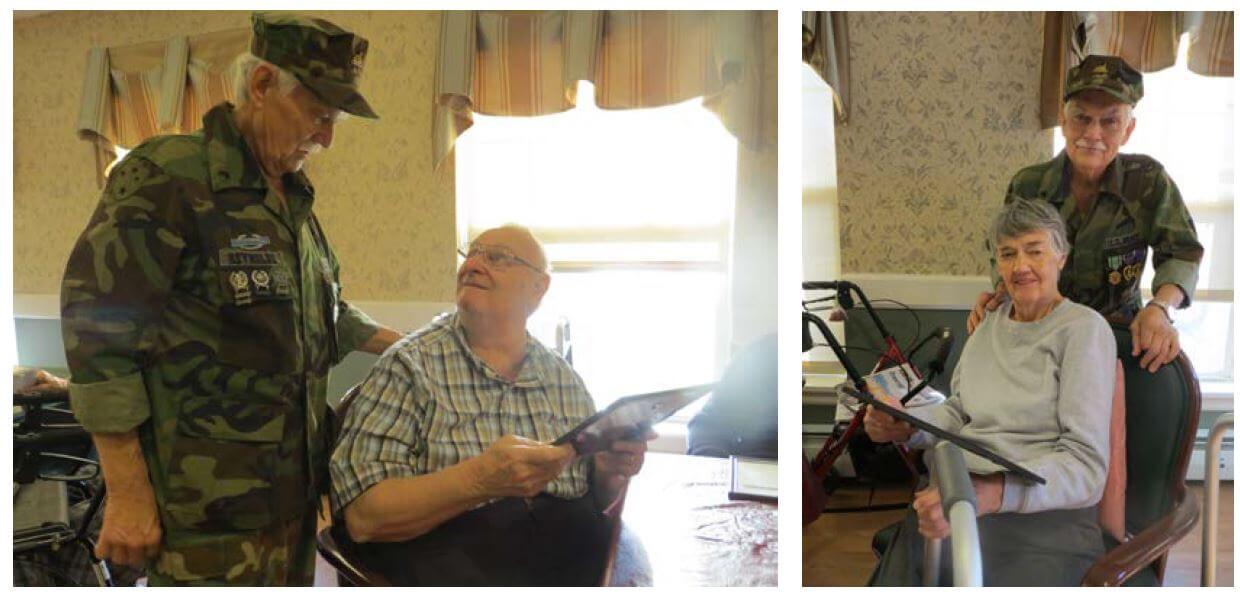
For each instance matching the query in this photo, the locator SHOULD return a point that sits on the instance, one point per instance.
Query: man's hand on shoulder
(516, 466)
(986, 302)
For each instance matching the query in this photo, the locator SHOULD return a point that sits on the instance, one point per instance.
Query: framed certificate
(629, 418)
(754, 479)
(964, 443)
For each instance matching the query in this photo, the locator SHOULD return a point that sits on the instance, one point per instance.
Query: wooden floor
(836, 548)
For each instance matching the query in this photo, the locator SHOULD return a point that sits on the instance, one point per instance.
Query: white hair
(244, 66)
(1021, 216)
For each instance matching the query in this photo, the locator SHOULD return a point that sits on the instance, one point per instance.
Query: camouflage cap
(1108, 74)
(326, 59)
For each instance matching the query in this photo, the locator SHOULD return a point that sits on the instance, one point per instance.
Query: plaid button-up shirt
(430, 402)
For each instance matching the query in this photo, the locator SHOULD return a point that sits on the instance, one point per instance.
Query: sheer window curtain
(132, 93)
(1148, 41)
(824, 47)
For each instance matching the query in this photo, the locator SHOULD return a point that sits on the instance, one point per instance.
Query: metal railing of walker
(949, 473)
(890, 356)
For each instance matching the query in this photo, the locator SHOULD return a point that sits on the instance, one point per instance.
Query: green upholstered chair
(1162, 413)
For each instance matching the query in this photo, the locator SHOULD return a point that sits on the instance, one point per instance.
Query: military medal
(241, 287)
(1133, 260)
(1115, 265)
(283, 288)
(262, 280)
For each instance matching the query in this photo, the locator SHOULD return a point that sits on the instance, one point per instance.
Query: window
(634, 208)
(820, 244)
(1186, 122)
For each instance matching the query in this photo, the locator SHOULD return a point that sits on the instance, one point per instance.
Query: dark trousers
(1051, 548)
(544, 541)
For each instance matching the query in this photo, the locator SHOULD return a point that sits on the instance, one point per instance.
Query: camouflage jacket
(199, 308)
(1138, 208)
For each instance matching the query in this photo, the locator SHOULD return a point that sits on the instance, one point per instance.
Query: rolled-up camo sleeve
(114, 289)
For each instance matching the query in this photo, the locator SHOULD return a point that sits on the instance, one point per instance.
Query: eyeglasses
(1110, 124)
(496, 256)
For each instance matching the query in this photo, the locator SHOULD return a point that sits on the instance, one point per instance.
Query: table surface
(680, 529)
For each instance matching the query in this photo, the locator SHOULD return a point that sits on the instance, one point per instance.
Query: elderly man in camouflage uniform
(201, 312)
(1116, 207)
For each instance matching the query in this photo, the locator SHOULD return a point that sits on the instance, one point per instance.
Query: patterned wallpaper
(388, 215)
(944, 111)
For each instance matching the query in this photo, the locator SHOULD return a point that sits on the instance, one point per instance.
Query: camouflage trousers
(278, 556)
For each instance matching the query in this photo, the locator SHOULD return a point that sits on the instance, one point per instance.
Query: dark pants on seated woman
(543, 541)
(1051, 548)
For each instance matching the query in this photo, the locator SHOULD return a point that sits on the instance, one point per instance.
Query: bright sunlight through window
(120, 155)
(635, 210)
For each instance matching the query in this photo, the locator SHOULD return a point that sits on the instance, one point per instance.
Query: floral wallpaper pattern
(944, 111)
(389, 216)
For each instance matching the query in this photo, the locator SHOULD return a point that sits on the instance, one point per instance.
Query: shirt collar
(228, 158)
(1055, 181)
(1113, 177)
(531, 374)
(232, 166)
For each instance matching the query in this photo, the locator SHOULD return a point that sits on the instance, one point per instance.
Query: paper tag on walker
(893, 383)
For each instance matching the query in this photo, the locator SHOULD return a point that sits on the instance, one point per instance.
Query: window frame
(720, 236)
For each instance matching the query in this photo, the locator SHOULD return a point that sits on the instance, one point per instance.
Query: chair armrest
(615, 518)
(1125, 560)
(353, 571)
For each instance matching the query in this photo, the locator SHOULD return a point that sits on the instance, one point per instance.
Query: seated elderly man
(443, 472)
(1034, 384)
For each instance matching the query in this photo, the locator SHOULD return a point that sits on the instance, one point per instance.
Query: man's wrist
(130, 488)
(470, 471)
(1164, 306)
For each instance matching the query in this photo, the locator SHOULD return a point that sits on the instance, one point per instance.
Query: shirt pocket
(546, 420)
(1123, 260)
(225, 462)
(258, 328)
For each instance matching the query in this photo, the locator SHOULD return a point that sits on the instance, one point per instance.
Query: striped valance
(132, 93)
(528, 63)
(1148, 41)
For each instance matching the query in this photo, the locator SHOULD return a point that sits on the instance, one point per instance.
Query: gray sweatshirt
(1038, 393)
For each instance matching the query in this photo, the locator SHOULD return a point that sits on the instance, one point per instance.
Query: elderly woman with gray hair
(1034, 383)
